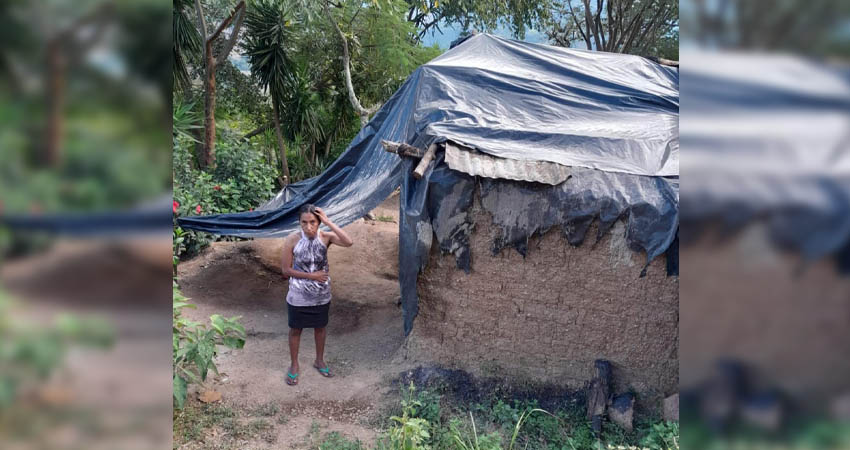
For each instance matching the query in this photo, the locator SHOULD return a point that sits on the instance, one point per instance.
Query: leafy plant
(492, 441)
(662, 435)
(195, 345)
(29, 353)
(410, 431)
(184, 119)
(241, 181)
(336, 441)
(178, 245)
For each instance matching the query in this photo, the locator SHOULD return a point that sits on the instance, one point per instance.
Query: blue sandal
(326, 372)
(291, 379)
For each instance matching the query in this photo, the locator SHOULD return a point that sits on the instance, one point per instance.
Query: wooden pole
(419, 172)
(402, 149)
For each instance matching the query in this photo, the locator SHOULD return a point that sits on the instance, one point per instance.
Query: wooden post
(598, 394)
(419, 172)
(402, 149)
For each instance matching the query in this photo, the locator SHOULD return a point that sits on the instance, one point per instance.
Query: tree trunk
(346, 65)
(207, 158)
(280, 144)
(57, 65)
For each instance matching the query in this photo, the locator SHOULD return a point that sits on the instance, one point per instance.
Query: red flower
(174, 206)
(198, 209)
(217, 187)
(251, 209)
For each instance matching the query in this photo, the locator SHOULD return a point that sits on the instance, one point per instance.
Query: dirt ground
(364, 334)
(118, 397)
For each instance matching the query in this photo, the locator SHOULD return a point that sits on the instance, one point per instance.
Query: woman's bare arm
(338, 235)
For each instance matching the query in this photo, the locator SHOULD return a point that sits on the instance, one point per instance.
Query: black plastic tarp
(152, 217)
(767, 140)
(612, 118)
(615, 113)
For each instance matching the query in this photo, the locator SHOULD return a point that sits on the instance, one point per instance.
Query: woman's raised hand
(322, 216)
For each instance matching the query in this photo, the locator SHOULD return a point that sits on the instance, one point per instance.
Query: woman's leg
(294, 343)
(321, 335)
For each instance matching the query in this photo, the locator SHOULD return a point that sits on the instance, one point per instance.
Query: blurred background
(765, 221)
(85, 181)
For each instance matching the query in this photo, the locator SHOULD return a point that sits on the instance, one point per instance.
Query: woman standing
(305, 263)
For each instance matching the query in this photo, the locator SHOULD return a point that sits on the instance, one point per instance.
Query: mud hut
(768, 231)
(539, 198)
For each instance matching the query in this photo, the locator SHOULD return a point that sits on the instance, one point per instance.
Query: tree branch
(575, 20)
(632, 28)
(260, 130)
(346, 62)
(225, 23)
(587, 22)
(597, 25)
(234, 35)
(354, 16)
(611, 36)
(647, 32)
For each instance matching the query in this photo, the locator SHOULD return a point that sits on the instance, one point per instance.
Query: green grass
(336, 441)
(192, 423)
(385, 219)
(500, 423)
(265, 410)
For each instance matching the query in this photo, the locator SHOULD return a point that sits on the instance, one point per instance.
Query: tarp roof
(610, 112)
(767, 138)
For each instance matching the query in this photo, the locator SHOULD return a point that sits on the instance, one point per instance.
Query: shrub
(241, 180)
(30, 352)
(195, 345)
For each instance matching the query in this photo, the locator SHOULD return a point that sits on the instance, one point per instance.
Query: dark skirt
(308, 316)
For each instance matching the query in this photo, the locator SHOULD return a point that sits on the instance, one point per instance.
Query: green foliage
(662, 435)
(269, 30)
(409, 431)
(294, 54)
(242, 180)
(490, 441)
(29, 353)
(187, 42)
(190, 422)
(336, 441)
(239, 96)
(195, 345)
(518, 15)
(86, 180)
(184, 119)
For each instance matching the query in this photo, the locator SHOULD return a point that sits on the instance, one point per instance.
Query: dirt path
(365, 331)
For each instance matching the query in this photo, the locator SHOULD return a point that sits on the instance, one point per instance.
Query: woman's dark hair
(309, 208)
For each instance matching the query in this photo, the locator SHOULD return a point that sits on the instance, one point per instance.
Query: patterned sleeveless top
(309, 255)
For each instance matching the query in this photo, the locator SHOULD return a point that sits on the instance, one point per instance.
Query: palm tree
(269, 31)
(304, 110)
(187, 42)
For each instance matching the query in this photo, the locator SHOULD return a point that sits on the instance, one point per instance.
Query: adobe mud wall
(549, 316)
(786, 322)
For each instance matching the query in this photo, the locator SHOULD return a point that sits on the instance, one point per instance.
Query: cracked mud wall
(785, 320)
(549, 316)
